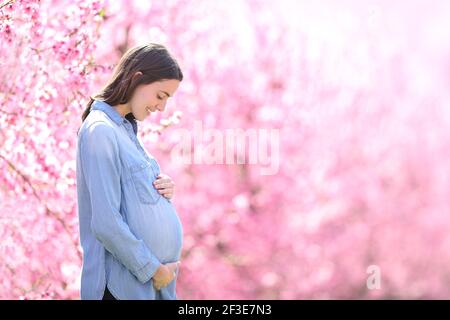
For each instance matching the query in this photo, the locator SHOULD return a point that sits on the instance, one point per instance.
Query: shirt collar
(113, 114)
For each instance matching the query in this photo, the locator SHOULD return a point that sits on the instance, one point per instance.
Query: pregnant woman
(130, 233)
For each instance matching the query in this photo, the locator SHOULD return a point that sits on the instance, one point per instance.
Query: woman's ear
(137, 74)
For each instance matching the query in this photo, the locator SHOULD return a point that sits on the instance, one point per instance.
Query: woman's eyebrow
(165, 93)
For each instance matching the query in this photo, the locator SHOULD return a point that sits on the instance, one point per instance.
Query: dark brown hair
(155, 63)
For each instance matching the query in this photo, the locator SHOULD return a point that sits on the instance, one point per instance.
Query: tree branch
(6, 3)
(48, 211)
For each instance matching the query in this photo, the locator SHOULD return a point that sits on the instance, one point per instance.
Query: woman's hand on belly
(165, 185)
(165, 274)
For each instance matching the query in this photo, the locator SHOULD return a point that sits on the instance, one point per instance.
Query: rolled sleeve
(102, 170)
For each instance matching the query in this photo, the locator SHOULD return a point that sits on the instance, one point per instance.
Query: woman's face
(148, 98)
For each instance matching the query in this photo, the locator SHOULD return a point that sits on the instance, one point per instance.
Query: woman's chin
(142, 117)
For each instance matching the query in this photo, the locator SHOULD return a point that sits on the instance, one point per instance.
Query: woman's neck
(123, 109)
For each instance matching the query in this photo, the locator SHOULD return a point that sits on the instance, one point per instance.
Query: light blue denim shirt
(127, 229)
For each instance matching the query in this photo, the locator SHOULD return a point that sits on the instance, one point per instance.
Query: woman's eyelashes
(159, 97)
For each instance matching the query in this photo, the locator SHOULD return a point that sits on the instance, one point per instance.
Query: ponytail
(86, 111)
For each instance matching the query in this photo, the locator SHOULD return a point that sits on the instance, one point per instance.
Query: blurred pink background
(358, 92)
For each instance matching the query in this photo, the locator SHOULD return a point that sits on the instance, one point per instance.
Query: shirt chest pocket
(143, 174)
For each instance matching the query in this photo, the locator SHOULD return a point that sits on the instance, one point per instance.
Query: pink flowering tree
(46, 67)
(355, 98)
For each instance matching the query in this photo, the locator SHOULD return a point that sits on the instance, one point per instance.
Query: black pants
(107, 295)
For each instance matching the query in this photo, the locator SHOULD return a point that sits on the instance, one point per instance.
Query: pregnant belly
(159, 226)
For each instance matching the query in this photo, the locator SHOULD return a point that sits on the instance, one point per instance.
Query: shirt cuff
(146, 272)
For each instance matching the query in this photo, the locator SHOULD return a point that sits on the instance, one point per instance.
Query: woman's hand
(165, 274)
(164, 185)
